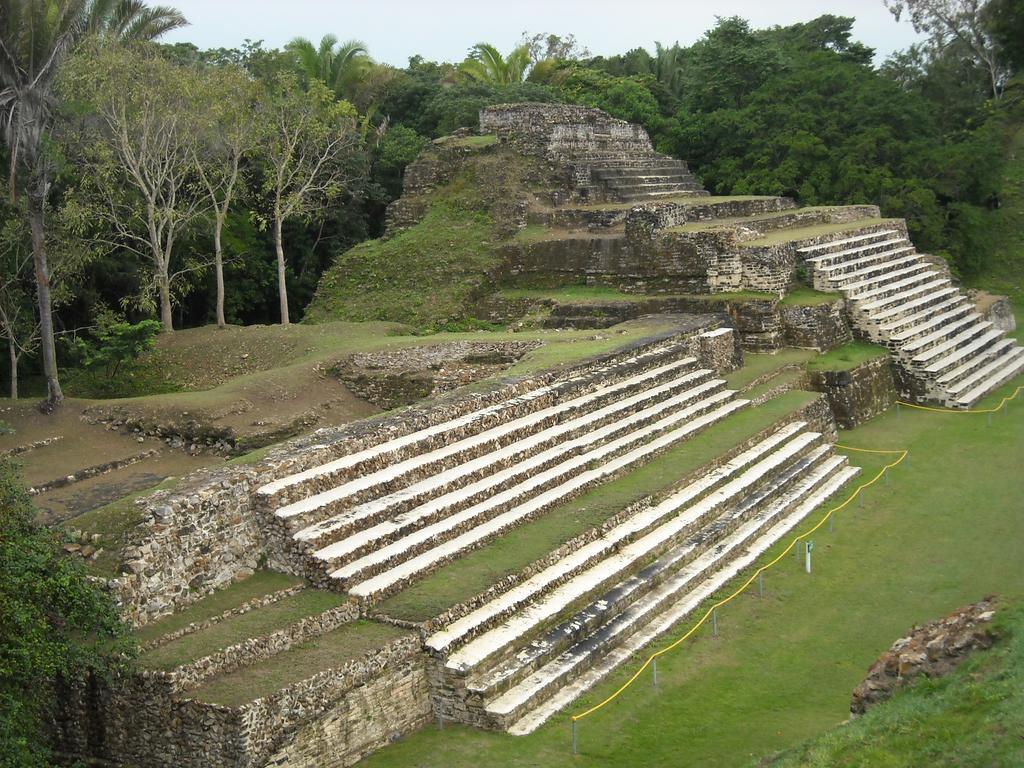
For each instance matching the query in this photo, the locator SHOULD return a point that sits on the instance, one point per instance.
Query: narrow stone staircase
(898, 298)
(373, 522)
(637, 178)
(519, 658)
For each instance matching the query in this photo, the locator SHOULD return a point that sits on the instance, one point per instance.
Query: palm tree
(485, 64)
(339, 66)
(36, 36)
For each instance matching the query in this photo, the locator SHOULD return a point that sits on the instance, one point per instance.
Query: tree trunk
(12, 352)
(36, 202)
(166, 319)
(218, 261)
(282, 288)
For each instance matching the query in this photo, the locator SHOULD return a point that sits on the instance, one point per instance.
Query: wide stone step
(898, 294)
(677, 608)
(909, 324)
(520, 455)
(1005, 367)
(946, 329)
(671, 430)
(888, 284)
(841, 263)
(820, 251)
(885, 275)
(681, 192)
(401, 473)
(709, 494)
(611, 615)
(952, 377)
(956, 338)
(963, 353)
(395, 538)
(907, 339)
(641, 176)
(914, 300)
(882, 264)
(653, 186)
(297, 485)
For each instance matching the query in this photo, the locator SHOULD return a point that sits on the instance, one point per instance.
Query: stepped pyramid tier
(608, 160)
(946, 351)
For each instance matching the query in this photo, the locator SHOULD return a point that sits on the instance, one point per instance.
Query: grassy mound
(423, 276)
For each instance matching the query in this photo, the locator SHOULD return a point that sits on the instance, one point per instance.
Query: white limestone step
(588, 422)
(981, 377)
(463, 627)
(964, 352)
(427, 433)
(948, 330)
(911, 322)
(885, 285)
(830, 267)
(904, 295)
(1011, 365)
(623, 606)
(813, 249)
(900, 310)
(950, 377)
(677, 610)
(390, 473)
(425, 561)
(879, 270)
(951, 343)
(550, 605)
(430, 510)
(925, 332)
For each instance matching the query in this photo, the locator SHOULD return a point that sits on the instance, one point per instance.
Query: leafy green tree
(118, 344)
(55, 625)
(338, 65)
(36, 37)
(137, 145)
(228, 135)
(308, 140)
(485, 64)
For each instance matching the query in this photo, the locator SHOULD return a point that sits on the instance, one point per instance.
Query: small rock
(140, 439)
(72, 548)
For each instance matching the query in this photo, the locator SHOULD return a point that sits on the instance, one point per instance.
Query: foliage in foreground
(972, 717)
(55, 624)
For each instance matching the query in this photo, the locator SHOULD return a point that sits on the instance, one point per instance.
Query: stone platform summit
(375, 527)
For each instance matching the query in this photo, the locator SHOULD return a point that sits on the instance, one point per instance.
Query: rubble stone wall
(858, 394)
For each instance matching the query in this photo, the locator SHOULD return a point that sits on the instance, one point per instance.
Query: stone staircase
(896, 297)
(373, 522)
(637, 178)
(526, 653)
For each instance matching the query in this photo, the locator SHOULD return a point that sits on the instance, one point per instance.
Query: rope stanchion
(710, 612)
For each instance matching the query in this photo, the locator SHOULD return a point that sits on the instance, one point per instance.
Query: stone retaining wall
(818, 326)
(858, 394)
(329, 719)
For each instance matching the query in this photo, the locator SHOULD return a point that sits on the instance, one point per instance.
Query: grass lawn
(789, 376)
(756, 365)
(473, 573)
(808, 297)
(332, 649)
(961, 719)
(785, 235)
(235, 629)
(260, 584)
(846, 357)
(944, 531)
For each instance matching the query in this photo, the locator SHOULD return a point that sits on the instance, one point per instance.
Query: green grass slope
(972, 717)
(1005, 271)
(943, 531)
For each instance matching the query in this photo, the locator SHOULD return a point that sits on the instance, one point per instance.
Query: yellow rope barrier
(997, 408)
(796, 539)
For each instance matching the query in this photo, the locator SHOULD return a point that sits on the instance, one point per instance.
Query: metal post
(655, 667)
(714, 622)
(899, 413)
(760, 583)
(830, 519)
(574, 736)
(989, 418)
(440, 721)
(807, 561)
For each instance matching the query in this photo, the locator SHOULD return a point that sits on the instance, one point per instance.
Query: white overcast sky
(443, 30)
